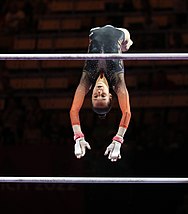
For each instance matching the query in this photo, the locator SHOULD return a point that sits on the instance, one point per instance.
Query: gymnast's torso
(107, 39)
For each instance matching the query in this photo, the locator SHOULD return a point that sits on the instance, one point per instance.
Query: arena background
(36, 137)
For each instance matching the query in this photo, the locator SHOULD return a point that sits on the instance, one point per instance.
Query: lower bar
(91, 180)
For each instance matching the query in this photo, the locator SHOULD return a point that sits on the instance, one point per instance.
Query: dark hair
(102, 111)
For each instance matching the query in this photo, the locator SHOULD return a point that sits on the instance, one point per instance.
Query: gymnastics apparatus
(88, 56)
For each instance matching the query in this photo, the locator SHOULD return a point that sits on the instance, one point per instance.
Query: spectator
(12, 118)
(33, 120)
(5, 86)
(14, 19)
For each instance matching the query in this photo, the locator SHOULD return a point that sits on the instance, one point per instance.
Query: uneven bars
(91, 180)
(102, 56)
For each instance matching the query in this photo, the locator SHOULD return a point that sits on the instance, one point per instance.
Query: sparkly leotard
(107, 39)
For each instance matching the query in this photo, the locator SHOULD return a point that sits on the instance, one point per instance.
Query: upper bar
(91, 180)
(98, 56)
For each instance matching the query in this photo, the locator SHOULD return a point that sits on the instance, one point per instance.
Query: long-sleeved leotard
(107, 39)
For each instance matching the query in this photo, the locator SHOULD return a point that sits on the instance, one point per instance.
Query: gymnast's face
(101, 95)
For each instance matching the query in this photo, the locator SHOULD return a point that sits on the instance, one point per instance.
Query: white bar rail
(92, 180)
(98, 56)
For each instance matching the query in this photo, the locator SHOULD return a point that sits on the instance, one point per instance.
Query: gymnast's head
(101, 97)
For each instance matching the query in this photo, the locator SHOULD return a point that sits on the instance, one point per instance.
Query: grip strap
(118, 139)
(78, 135)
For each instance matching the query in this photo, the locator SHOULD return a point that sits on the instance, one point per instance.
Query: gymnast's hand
(80, 147)
(113, 150)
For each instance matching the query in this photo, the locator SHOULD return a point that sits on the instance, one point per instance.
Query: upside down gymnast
(102, 75)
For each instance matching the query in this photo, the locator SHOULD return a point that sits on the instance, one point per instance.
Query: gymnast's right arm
(81, 91)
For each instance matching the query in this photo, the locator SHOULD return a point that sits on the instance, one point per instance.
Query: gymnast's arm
(124, 103)
(81, 91)
(77, 103)
(113, 150)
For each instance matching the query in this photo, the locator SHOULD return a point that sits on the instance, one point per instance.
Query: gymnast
(101, 76)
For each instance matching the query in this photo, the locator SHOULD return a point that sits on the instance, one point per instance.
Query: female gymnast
(103, 75)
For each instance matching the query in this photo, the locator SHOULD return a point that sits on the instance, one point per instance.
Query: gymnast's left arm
(113, 150)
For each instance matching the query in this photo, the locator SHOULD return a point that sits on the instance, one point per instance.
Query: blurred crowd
(21, 17)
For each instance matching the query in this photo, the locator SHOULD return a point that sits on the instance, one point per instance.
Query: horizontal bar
(102, 56)
(91, 180)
